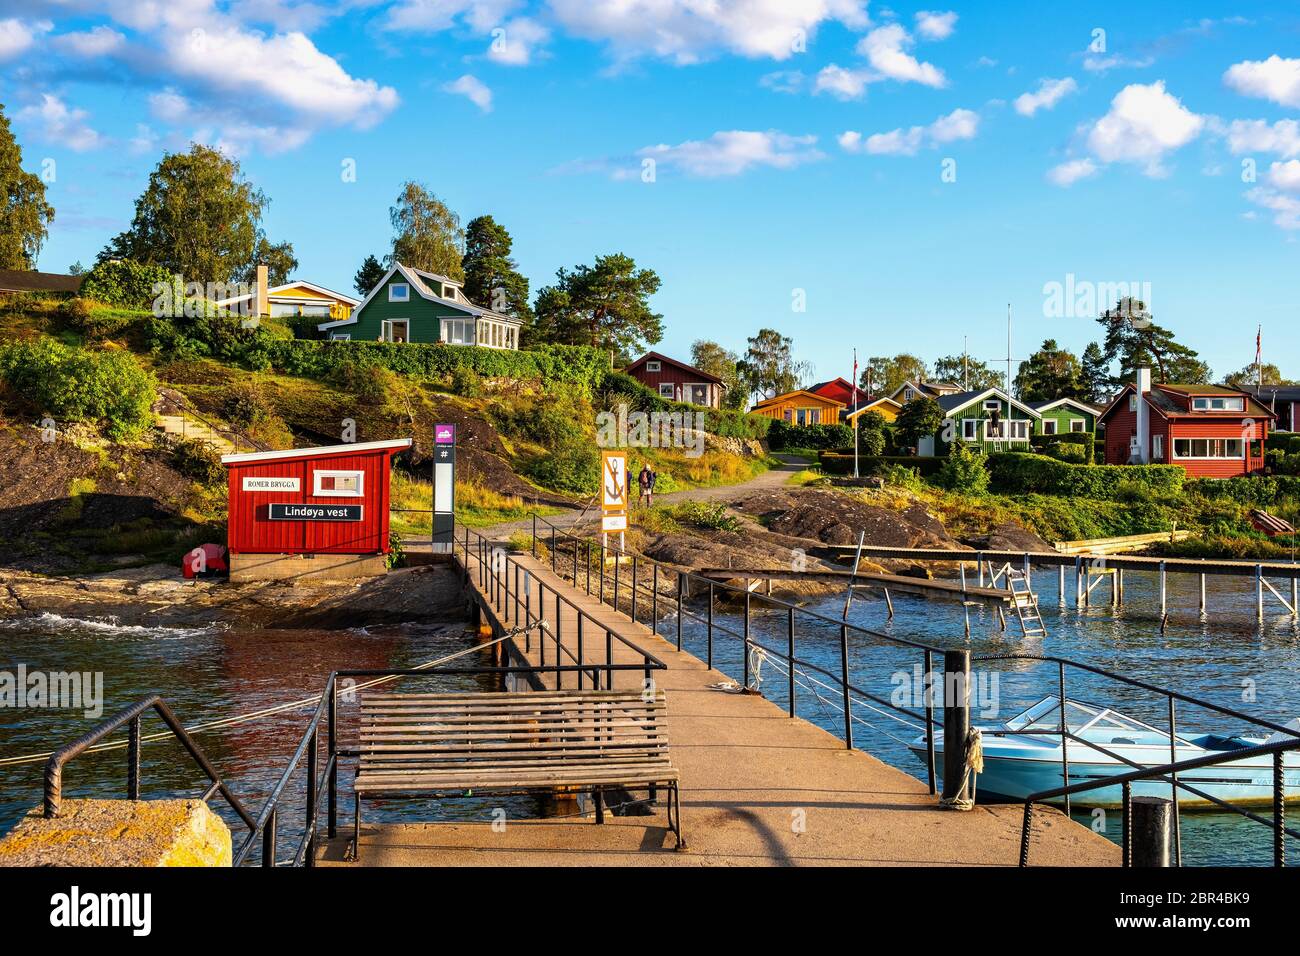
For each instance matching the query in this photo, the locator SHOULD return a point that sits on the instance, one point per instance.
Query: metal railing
(495, 570)
(131, 718)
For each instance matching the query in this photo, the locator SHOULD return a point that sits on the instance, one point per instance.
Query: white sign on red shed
(330, 500)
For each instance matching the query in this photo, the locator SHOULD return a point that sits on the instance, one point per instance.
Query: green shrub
(901, 476)
(1257, 491)
(550, 421)
(705, 515)
(97, 321)
(1029, 473)
(964, 471)
(572, 466)
(467, 382)
(841, 463)
(1066, 446)
(871, 442)
(245, 406)
(124, 283)
(82, 385)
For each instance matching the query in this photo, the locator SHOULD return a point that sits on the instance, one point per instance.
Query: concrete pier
(758, 787)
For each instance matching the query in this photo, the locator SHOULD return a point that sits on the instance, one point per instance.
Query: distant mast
(1008, 348)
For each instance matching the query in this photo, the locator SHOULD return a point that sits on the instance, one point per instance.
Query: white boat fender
(974, 762)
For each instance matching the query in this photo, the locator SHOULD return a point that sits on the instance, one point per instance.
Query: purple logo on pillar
(444, 434)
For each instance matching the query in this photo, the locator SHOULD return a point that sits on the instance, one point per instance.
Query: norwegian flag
(1259, 334)
(855, 377)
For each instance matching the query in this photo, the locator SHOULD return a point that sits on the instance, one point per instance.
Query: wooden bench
(417, 744)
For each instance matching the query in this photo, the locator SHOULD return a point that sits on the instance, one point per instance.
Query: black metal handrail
(518, 604)
(131, 717)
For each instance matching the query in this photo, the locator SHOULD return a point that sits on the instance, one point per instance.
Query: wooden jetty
(907, 584)
(758, 787)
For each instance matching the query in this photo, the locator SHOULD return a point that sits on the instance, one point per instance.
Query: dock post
(1295, 593)
(1119, 579)
(1164, 590)
(1061, 587)
(1078, 582)
(1151, 831)
(1202, 592)
(956, 728)
(1029, 573)
(979, 563)
(1259, 593)
(744, 651)
(709, 626)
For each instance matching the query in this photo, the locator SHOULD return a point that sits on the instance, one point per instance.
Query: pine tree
(492, 278)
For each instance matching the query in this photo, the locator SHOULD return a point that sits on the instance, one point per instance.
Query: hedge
(784, 435)
(1038, 474)
(1254, 490)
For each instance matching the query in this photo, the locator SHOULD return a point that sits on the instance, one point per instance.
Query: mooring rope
(268, 711)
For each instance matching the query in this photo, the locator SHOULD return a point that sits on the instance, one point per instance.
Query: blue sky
(905, 171)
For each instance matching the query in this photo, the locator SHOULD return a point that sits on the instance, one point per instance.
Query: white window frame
(654, 366)
(1191, 447)
(686, 393)
(1219, 403)
(671, 393)
(1008, 428)
(340, 336)
(970, 429)
(386, 327)
(406, 292)
(464, 324)
(1078, 425)
(991, 403)
(1132, 402)
(316, 477)
(1049, 426)
(1157, 447)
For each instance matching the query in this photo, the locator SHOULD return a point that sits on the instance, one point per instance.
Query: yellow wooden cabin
(800, 407)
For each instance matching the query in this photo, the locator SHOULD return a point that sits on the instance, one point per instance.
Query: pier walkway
(758, 787)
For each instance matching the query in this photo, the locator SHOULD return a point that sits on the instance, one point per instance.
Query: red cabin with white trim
(330, 500)
(1211, 431)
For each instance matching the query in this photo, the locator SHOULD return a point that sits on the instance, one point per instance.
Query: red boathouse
(1212, 431)
(315, 513)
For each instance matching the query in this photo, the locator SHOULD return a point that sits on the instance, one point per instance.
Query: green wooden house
(1065, 415)
(410, 305)
(989, 420)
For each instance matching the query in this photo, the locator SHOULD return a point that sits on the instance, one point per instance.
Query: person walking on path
(646, 480)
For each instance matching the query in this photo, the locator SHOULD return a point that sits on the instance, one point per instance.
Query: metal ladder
(1025, 603)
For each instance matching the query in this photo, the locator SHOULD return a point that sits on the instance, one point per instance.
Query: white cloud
(1049, 93)
(1285, 175)
(516, 43)
(732, 152)
(1144, 123)
(285, 70)
(1285, 209)
(688, 31)
(841, 83)
(56, 123)
(17, 37)
(473, 89)
(886, 50)
(1273, 79)
(935, 26)
(960, 124)
(1071, 172)
(431, 16)
(282, 14)
(101, 41)
(1247, 136)
(170, 107)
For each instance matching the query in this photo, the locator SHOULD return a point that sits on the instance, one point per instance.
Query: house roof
(1161, 398)
(955, 403)
(866, 406)
(396, 444)
(1283, 393)
(933, 389)
(1082, 406)
(278, 292)
(29, 280)
(415, 278)
(660, 357)
(784, 396)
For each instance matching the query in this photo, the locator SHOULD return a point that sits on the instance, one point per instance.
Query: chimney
(263, 304)
(1143, 450)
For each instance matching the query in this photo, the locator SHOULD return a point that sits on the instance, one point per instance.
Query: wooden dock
(758, 787)
(903, 583)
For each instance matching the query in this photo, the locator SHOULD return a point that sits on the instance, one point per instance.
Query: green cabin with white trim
(411, 305)
(988, 420)
(1065, 416)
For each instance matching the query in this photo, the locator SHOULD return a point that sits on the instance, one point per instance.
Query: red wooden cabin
(1212, 431)
(840, 389)
(676, 380)
(331, 500)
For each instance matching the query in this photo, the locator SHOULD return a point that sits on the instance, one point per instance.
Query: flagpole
(855, 417)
